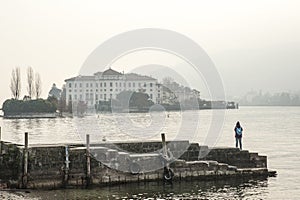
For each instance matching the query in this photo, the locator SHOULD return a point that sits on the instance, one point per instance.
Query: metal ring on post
(168, 174)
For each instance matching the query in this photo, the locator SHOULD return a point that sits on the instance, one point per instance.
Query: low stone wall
(122, 163)
(10, 161)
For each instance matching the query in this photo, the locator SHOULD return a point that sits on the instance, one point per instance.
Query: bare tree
(30, 82)
(38, 85)
(15, 83)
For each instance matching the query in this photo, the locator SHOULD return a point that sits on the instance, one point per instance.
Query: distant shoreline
(29, 115)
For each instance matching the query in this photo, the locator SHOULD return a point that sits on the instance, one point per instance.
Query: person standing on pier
(238, 135)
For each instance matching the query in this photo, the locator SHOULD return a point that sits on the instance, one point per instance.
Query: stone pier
(52, 166)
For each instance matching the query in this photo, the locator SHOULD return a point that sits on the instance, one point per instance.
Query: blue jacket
(238, 132)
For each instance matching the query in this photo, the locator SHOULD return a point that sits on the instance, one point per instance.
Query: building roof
(108, 72)
(137, 77)
(166, 89)
(98, 74)
(81, 78)
(111, 72)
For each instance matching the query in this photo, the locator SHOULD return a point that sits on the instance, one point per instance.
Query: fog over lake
(254, 44)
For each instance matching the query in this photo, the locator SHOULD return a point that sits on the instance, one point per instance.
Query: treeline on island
(15, 107)
(31, 104)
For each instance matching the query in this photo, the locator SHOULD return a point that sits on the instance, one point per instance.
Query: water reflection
(227, 189)
(16, 126)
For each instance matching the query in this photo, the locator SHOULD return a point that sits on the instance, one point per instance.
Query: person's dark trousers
(238, 140)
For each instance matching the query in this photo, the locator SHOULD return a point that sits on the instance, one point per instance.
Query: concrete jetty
(73, 165)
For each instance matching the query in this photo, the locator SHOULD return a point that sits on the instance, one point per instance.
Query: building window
(139, 84)
(80, 84)
(87, 85)
(70, 85)
(75, 96)
(70, 90)
(129, 84)
(104, 84)
(97, 84)
(104, 97)
(158, 95)
(70, 97)
(151, 84)
(86, 96)
(116, 84)
(151, 96)
(91, 84)
(101, 96)
(110, 84)
(120, 84)
(80, 97)
(110, 96)
(75, 85)
(104, 90)
(96, 90)
(96, 97)
(100, 84)
(145, 84)
(133, 84)
(111, 90)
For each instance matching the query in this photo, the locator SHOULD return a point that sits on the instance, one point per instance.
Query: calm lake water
(271, 131)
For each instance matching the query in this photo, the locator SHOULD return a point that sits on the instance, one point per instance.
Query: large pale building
(103, 86)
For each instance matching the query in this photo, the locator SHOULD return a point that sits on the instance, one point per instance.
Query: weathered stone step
(124, 161)
(202, 168)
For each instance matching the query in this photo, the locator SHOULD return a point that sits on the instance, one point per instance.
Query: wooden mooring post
(168, 173)
(88, 161)
(0, 142)
(67, 167)
(164, 144)
(25, 167)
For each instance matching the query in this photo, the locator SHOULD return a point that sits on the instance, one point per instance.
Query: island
(37, 108)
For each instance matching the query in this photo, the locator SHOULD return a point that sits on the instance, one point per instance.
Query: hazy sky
(254, 44)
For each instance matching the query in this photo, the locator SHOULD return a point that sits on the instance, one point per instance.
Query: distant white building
(165, 95)
(103, 86)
